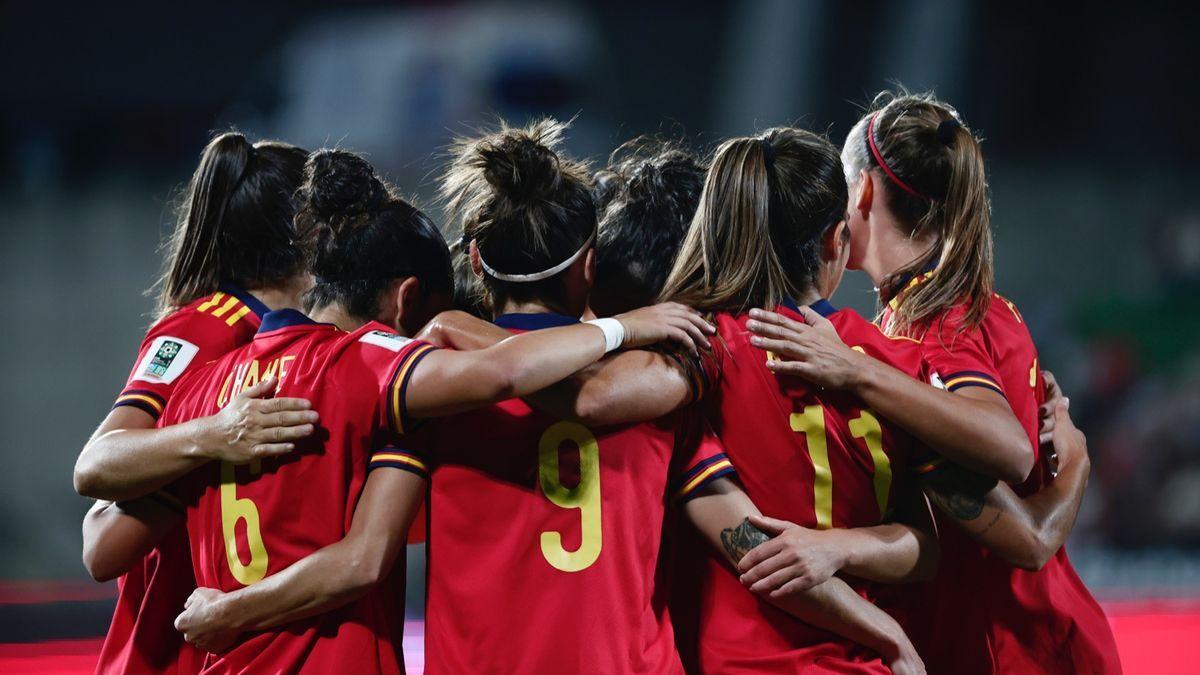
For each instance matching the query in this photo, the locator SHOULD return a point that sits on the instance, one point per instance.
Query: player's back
(250, 521)
(816, 458)
(1030, 622)
(142, 637)
(544, 538)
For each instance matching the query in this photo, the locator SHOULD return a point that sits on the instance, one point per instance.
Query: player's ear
(476, 261)
(408, 301)
(835, 243)
(866, 192)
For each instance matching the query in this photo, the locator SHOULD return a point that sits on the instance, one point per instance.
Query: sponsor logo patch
(385, 339)
(166, 359)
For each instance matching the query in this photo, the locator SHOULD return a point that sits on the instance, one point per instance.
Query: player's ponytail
(755, 239)
(527, 207)
(234, 222)
(362, 236)
(646, 199)
(931, 168)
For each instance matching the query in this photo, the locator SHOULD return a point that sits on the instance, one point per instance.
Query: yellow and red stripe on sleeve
(397, 411)
(972, 378)
(701, 474)
(694, 370)
(396, 458)
(142, 399)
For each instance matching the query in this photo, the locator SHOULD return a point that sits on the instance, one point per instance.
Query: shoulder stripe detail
(223, 309)
(233, 318)
(397, 410)
(704, 473)
(211, 302)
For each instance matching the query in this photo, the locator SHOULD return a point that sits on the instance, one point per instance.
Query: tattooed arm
(722, 513)
(1025, 532)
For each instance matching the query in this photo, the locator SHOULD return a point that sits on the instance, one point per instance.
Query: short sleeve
(395, 360)
(959, 359)
(176, 345)
(699, 459)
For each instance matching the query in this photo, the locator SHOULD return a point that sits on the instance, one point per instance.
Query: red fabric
(1011, 621)
(142, 637)
(495, 602)
(752, 409)
(305, 500)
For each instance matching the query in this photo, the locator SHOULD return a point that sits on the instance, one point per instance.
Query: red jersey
(545, 537)
(816, 458)
(246, 522)
(980, 615)
(142, 637)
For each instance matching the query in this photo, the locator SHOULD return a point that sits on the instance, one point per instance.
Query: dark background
(1089, 117)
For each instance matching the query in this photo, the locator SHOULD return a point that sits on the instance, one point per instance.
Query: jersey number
(585, 496)
(234, 509)
(811, 423)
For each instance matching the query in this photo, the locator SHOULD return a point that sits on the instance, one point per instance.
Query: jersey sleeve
(397, 457)
(178, 344)
(960, 359)
(699, 459)
(393, 358)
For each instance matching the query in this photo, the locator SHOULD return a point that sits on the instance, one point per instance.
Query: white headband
(537, 276)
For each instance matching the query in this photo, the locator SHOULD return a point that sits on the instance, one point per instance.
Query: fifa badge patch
(166, 359)
(384, 339)
(161, 361)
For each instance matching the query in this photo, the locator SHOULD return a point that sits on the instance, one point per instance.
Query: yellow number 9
(585, 496)
(233, 510)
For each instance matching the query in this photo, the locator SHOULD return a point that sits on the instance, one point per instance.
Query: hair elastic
(768, 153)
(883, 165)
(538, 276)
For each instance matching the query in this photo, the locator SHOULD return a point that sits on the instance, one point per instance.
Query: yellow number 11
(811, 423)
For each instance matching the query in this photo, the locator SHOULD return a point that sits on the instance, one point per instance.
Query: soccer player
(591, 508)
(231, 257)
(770, 231)
(920, 217)
(285, 540)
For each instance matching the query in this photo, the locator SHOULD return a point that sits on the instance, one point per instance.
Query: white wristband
(614, 333)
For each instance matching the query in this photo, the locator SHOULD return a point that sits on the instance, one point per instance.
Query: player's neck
(337, 315)
(278, 298)
(892, 250)
(535, 307)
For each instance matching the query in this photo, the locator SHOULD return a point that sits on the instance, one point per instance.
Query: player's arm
(117, 536)
(975, 428)
(630, 386)
(798, 557)
(329, 578)
(1024, 532)
(722, 512)
(127, 457)
(447, 382)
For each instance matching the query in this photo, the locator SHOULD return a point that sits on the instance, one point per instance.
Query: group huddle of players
(737, 479)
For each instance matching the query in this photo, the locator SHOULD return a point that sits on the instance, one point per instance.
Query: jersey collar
(820, 306)
(285, 318)
(260, 310)
(909, 281)
(523, 321)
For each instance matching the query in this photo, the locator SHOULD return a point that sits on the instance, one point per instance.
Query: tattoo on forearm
(991, 522)
(960, 505)
(739, 540)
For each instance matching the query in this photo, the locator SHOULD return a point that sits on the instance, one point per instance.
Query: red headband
(883, 165)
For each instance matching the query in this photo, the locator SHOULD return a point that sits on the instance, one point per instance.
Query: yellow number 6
(233, 510)
(585, 496)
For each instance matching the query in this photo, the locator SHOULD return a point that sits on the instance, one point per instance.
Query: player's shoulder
(376, 343)
(859, 333)
(224, 318)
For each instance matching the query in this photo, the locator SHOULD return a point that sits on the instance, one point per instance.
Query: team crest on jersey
(166, 359)
(381, 338)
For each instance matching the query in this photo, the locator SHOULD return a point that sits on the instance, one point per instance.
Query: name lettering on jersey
(246, 375)
(384, 339)
(166, 359)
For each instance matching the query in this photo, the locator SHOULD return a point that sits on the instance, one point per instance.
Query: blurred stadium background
(1089, 116)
